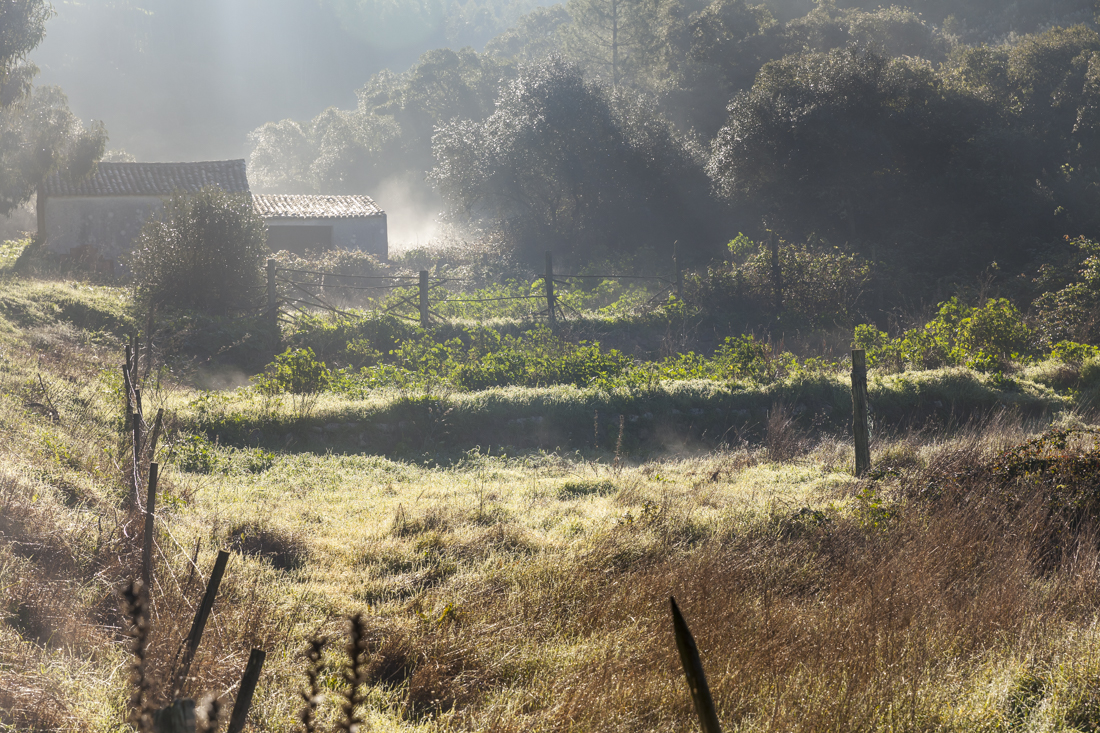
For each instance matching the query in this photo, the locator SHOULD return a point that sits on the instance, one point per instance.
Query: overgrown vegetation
(205, 253)
(472, 487)
(501, 489)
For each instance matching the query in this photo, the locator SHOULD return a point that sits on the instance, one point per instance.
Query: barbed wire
(315, 300)
(489, 300)
(340, 274)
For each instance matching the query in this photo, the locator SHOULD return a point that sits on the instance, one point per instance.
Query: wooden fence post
(693, 670)
(859, 412)
(147, 543)
(156, 434)
(425, 317)
(136, 421)
(551, 301)
(248, 686)
(199, 623)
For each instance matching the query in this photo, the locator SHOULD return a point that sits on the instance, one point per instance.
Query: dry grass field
(956, 590)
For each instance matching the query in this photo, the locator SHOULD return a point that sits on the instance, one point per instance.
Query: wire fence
(418, 296)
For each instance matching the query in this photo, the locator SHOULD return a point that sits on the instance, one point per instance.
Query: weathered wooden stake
(199, 624)
(859, 412)
(693, 670)
(135, 419)
(425, 317)
(551, 301)
(248, 686)
(135, 472)
(147, 544)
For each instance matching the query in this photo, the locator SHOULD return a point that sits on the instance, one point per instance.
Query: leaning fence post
(551, 301)
(199, 623)
(859, 412)
(424, 316)
(137, 420)
(248, 686)
(147, 543)
(693, 670)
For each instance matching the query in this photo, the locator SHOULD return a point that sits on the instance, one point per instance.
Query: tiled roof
(153, 179)
(283, 206)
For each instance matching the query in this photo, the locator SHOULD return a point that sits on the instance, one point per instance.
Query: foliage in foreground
(205, 253)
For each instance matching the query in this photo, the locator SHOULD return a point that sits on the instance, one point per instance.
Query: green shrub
(739, 358)
(1071, 311)
(295, 371)
(1072, 352)
(256, 460)
(204, 252)
(821, 285)
(985, 338)
(196, 454)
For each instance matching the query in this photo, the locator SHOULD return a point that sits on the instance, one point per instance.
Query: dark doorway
(298, 238)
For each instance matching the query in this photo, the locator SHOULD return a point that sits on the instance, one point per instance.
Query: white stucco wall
(108, 223)
(111, 223)
(367, 233)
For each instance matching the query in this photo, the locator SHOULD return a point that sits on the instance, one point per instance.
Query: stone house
(298, 223)
(97, 219)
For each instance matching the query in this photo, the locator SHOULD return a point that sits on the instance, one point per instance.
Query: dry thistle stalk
(355, 676)
(311, 696)
(136, 610)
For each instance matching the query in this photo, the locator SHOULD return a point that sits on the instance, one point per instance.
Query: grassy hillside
(513, 557)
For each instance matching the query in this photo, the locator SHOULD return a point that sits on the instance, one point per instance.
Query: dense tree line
(932, 139)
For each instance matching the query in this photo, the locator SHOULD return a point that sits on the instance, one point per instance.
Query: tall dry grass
(887, 617)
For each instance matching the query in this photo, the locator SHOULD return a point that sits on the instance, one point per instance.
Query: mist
(179, 81)
(549, 140)
(412, 212)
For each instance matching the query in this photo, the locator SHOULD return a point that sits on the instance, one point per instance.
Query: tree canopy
(38, 133)
(560, 166)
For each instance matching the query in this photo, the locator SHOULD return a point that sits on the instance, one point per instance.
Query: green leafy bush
(295, 371)
(196, 454)
(738, 358)
(204, 252)
(985, 338)
(1072, 352)
(1073, 310)
(820, 285)
(536, 358)
(256, 460)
